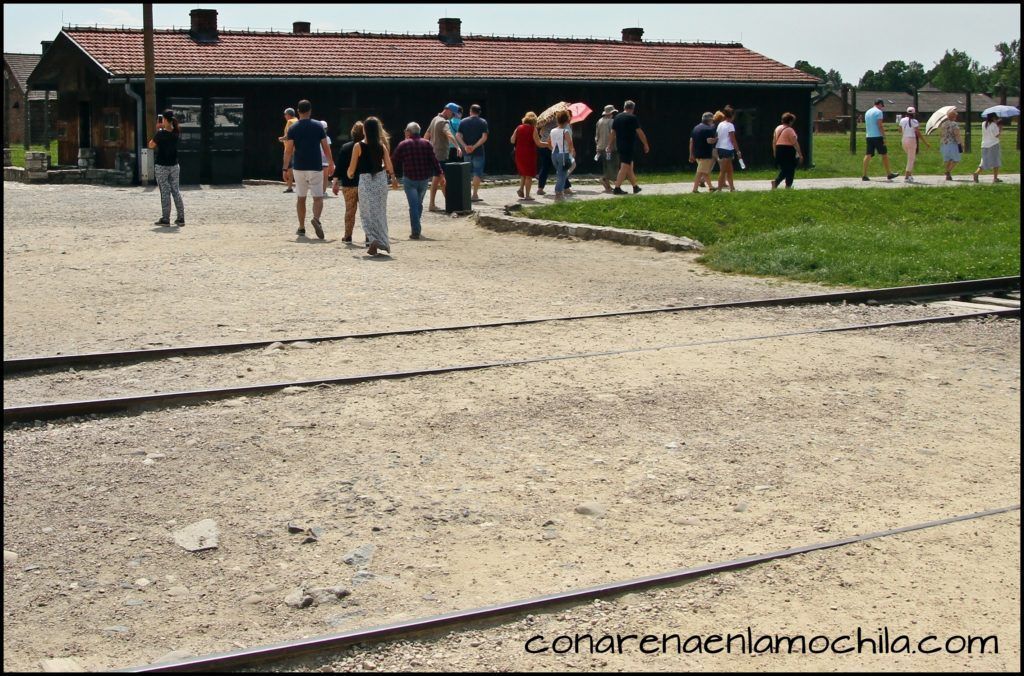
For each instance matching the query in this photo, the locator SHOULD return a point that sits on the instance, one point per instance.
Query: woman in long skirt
(371, 161)
(991, 154)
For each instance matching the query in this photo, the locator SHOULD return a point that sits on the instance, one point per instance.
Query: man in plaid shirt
(415, 158)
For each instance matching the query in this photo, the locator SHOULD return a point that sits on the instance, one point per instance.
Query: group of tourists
(951, 143)
(714, 140)
(366, 166)
(538, 150)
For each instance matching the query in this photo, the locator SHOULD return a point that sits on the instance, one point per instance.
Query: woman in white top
(560, 141)
(991, 153)
(728, 148)
(911, 138)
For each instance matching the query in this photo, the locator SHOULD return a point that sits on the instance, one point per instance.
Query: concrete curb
(531, 226)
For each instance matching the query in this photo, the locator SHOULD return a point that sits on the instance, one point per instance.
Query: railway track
(266, 656)
(1002, 287)
(993, 289)
(982, 298)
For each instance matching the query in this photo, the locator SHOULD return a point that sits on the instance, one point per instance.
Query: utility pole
(145, 162)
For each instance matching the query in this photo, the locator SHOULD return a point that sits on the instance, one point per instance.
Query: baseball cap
(911, 110)
(454, 107)
(879, 102)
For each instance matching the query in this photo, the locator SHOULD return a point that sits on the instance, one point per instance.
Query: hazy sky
(849, 38)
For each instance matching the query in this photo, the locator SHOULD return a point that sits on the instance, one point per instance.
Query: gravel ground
(483, 487)
(85, 270)
(308, 361)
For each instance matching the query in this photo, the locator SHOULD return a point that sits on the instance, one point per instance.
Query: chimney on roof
(300, 27)
(632, 34)
(204, 25)
(450, 31)
(46, 45)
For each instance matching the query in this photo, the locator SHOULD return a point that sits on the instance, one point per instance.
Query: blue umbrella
(1001, 111)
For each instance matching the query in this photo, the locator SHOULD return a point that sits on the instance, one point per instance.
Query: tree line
(955, 72)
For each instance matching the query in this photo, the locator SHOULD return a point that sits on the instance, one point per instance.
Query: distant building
(929, 99)
(831, 108)
(18, 99)
(205, 73)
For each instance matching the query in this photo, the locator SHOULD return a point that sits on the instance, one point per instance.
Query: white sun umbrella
(937, 117)
(1001, 111)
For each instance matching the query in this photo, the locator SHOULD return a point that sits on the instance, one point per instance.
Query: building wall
(14, 115)
(828, 108)
(107, 111)
(667, 114)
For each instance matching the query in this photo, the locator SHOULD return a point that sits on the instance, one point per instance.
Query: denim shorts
(476, 161)
(726, 153)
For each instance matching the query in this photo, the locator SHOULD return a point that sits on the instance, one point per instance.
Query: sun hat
(911, 110)
(609, 109)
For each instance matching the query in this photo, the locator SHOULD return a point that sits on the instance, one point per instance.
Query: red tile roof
(361, 55)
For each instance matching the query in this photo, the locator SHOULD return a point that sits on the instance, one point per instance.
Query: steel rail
(33, 412)
(402, 630)
(891, 294)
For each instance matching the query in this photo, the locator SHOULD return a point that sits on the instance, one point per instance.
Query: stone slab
(198, 536)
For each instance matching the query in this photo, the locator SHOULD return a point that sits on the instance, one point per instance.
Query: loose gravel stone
(360, 556)
(591, 509)
(298, 599)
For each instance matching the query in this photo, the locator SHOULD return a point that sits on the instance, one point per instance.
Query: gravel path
(483, 487)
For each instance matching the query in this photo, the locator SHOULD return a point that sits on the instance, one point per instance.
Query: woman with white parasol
(991, 128)
(952, 143)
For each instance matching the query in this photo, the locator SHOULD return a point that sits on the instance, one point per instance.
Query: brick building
(18, 99)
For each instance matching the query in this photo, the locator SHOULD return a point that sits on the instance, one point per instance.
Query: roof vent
(632, 34)
(204, 25)
(450, 31)
(300, 27)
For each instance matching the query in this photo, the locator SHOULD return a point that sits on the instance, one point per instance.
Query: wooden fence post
(853, 121)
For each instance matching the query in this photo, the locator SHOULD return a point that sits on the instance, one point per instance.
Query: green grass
(832, 159)
(856, 237)
(18, 153)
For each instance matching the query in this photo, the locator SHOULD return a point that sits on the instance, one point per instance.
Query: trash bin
(457, 191)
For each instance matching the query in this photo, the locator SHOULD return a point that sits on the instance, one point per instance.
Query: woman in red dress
(526, 140)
